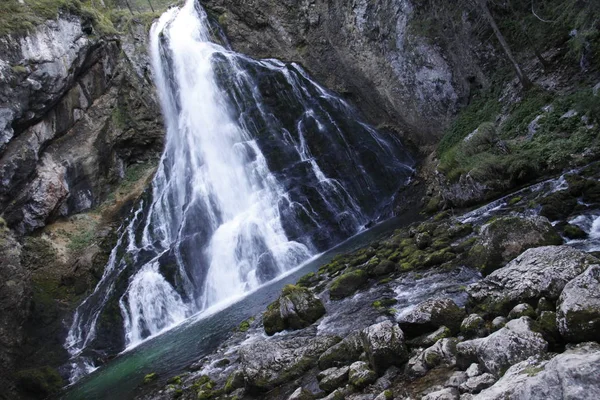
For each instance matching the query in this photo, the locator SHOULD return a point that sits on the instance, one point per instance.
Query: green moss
(347, 284)
(149, 378)
(245, 325)
(307, 280)
(574, 232)
(514, 200)
(176, 380)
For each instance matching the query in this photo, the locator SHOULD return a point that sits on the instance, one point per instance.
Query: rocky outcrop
(296, 308)
(77, 112)
(538, 272)
(578, 309)
(377, 54)
(505, 238)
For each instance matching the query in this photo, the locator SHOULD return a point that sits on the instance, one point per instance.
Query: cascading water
(262, 169)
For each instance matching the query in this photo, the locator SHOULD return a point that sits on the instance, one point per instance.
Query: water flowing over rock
(262, 169)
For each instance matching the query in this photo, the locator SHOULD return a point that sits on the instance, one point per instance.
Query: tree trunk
(525, 82)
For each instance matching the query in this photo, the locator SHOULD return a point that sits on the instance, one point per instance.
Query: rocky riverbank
(490, 304)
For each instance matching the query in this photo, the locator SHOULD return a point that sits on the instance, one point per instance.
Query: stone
(578, 308)
(474, 370)
(333, 378)
(429, 339)
(472, 326)
(301, 394)
(547, 325)
(346, 284)
(505, 238)
(385, 395)
(544, 305)
(443, 394)
(457, 379)
(296, 308)
(538, 272)
(344, 353)
(441, 353)
(498, 323)
(360, 375)
(477, 383)
(570, 375)
(497, 352)
(522, 310)
(266, 364)
(384, 345)
(430, 315)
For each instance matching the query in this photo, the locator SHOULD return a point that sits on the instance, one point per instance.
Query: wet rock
(477, 383)
(570, 375)
(266, 364)
(522, 310)
(430, 315)
(441, 353)
(296, 308)
(384, 345)
(430, 339)
(444, 394)
(505, 238)
(333, 378)
(301, 394)
(344, 353)
(472, 326)
(578, 310)
(538, 272)
(514, 343)
(347, 284)
(360, 375)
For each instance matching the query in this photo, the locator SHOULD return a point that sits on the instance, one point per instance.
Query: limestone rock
(384, 345)
(344, 353)
(498, 323)
(472, 326)
(508, 346)
(301, 394)
(443, 394)
(457, 379)
(430, 315)
(360, 375)
(474, 370)
(522, 310)
(505, 238)
(266, 364)
(429, 339)
(333, 378)
(296, 308)
(578, 310)
(538, 272)
(441, 353)
(477, 383)
(570, 375)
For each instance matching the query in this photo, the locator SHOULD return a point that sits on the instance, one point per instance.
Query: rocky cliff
(79, 129)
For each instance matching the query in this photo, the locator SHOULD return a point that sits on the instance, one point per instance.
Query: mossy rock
(42, 381)
(347, 284)
(574, 232)
(384, 267)
(558, 205)
(149, 378)
(296, 308)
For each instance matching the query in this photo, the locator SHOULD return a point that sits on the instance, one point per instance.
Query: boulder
(344, 353)
(522, 310)
(472, 326)
(474, 370)
(430, 315)
(384, 345)
(538, 272)
(457, 379)
(296, 308)
(477, 383)
(333, 378)
(443, 394)
(505, 238)
(570, 375)
(498, 323)
(429, 339)
(360, 375)
(269, 363)
(578, 309)
(301, 394)
(514, 343)
(347, 284)
(441, 353)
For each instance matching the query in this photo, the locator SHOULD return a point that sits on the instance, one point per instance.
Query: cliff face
(378, 54)
(78, 114)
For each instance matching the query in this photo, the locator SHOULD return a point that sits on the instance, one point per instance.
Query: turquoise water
(172, 352)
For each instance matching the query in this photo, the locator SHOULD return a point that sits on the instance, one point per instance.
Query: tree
(525, 82)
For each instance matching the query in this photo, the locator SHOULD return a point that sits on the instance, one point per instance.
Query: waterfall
(262, 168)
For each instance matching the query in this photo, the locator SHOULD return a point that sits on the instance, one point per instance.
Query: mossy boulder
(42, 381)
(360, 375)
(522, 310)
(343, 353)
(472, 326)
(505, 238)
(296, 308)
(347, 284)
(430, 315)
(574, 232)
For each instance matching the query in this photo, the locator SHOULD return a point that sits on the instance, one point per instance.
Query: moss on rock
(347, 284)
